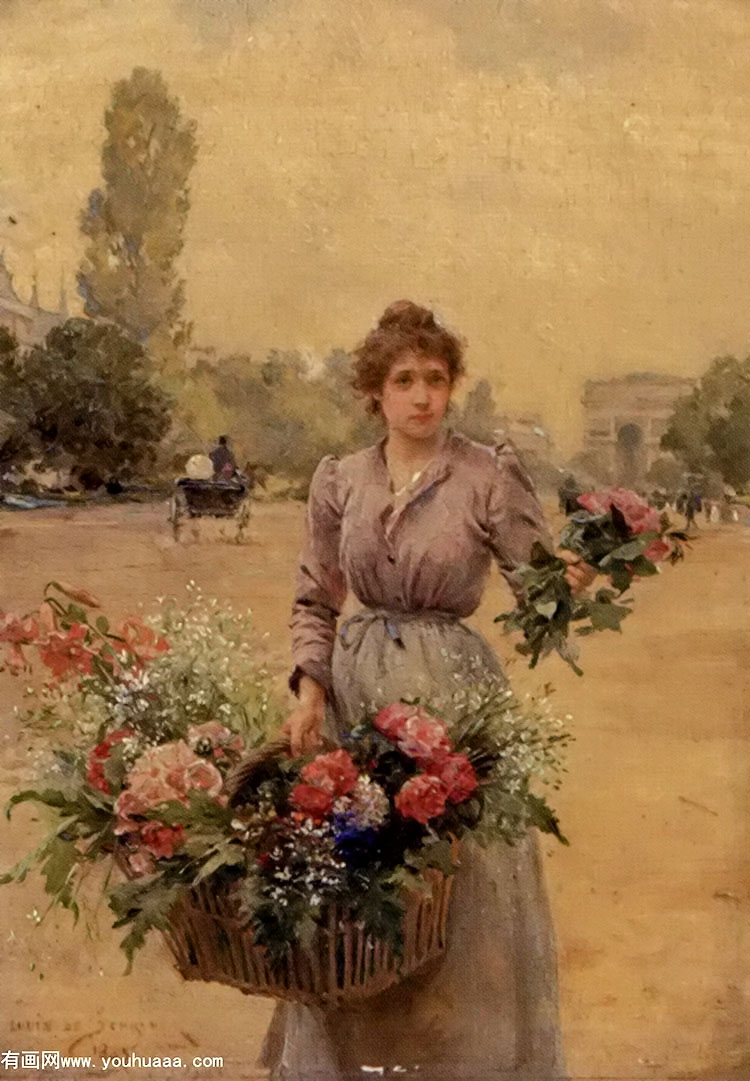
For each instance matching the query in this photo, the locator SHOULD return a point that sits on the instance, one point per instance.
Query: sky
(564, 181)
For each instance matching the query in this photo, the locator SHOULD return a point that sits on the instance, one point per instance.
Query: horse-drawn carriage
(195, 497)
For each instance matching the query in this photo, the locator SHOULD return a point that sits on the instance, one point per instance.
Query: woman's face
(415, 395)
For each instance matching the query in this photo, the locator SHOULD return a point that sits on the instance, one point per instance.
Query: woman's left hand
(578, 575)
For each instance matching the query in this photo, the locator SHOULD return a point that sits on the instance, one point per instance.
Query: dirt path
(651, 901)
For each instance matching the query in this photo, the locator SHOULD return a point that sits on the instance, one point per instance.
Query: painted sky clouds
(563, 179)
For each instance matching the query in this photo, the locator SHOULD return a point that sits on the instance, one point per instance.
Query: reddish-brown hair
(403, 327)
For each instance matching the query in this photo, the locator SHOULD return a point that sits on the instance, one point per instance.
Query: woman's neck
(409, 453)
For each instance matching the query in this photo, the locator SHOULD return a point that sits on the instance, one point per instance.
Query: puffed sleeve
(515, 518)
(321, 588)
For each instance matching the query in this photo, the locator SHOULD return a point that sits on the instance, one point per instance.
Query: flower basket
(320, 879)
(211, 941)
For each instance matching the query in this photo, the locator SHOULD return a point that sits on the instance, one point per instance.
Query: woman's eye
(437, 379)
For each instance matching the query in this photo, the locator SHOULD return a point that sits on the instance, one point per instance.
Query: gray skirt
(487, 1010)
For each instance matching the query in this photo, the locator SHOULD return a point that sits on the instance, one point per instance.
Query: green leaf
(439, 854)
(202, 810)
(144, 904)
(61, 859)
(228, 854)
(404, 878)
(51, 797)
(102, 624)
(544, 818)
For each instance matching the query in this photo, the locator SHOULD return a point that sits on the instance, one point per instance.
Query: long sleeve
(515, 517)
(321, 587)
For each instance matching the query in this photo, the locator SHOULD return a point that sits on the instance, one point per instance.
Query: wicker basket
(211, 942)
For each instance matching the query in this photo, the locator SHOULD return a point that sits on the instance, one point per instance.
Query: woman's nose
(421, 393)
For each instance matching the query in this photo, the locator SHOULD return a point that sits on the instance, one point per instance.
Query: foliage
(618, 534)
(160, 714)
(278, 411)
(478, 418)
(87, 395)
(710, 428)
(16, 402)
(135, 223)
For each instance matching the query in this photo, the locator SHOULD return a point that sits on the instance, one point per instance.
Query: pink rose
(424, 738)
(422, 798)
(335, 773)
(311, 800)
(391, 719)
(220, 738)
(165, 773)
(639, 516)
(140, 863)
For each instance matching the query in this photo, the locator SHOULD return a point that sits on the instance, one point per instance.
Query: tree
(479, 419)
(91, 400)
(16, 446)
(135, 222)
(710, 429)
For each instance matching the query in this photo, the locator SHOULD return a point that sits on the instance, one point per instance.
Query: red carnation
(95, 770)
(422, 798)
(310, 799)
(160, 840)
(457, 775)
(334, 773)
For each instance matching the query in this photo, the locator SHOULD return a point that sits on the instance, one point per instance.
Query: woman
(411, 526)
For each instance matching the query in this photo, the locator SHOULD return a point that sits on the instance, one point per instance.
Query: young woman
(411, 526)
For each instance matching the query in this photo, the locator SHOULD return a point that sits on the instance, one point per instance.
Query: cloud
(549, 36)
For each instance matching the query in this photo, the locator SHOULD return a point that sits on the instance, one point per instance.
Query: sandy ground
(651, 900)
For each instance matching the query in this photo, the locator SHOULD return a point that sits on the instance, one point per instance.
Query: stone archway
(630, 455)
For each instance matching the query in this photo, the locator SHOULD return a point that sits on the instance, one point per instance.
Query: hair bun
(405, 315)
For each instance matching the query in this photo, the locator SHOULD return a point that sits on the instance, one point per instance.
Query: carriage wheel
(243, 519)
(177, 512)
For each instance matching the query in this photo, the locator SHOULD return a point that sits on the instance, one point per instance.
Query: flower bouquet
(317, 879)
(618, 533)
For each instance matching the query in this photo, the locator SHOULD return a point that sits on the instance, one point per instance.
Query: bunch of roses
(332, 782)
(446, 777)
(639, 515)
(164, 774)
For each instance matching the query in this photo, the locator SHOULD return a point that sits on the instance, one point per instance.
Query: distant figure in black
(567, 495)
(222, 460)
(689, 503)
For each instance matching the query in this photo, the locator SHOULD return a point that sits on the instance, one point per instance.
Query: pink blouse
(472, 503)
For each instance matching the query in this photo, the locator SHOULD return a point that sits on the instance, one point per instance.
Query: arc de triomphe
(626, 417)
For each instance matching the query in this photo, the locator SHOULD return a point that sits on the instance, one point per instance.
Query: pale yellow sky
(565, 180)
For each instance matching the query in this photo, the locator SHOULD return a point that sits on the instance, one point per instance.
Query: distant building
(29, 323)
(625, 419)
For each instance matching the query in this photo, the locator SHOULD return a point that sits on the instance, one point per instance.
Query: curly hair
(403, 327)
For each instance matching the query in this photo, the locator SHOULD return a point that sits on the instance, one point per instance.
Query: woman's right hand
(304, 725)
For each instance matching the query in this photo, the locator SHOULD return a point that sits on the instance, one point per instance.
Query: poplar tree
(135, 221)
